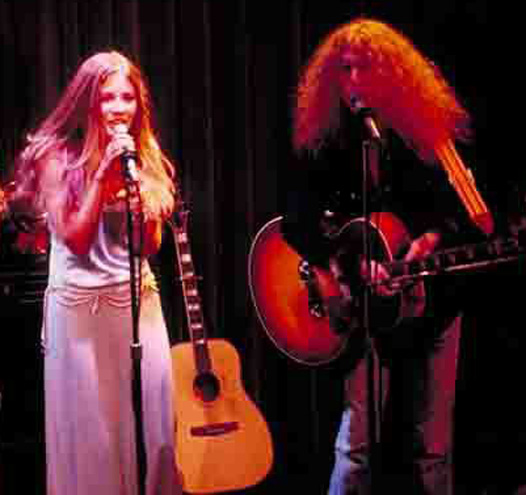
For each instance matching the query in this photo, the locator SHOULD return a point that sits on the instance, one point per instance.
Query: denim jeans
(416, 413)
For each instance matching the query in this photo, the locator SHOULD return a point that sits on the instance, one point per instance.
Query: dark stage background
(222, 75)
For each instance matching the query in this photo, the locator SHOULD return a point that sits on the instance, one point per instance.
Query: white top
(107, 261)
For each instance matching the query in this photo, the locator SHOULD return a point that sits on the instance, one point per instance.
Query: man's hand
(378, 275)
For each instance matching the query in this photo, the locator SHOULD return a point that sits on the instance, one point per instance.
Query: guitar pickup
(214, 429)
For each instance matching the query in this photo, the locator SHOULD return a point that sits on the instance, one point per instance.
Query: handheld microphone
(366, 114)
(128, 158)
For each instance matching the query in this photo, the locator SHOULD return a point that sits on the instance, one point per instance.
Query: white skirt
(90, 424)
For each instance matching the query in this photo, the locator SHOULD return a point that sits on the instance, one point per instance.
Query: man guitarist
(368, 100)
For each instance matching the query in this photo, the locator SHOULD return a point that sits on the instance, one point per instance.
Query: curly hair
(406, 90)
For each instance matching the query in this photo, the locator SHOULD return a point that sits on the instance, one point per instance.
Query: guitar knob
(304, 271)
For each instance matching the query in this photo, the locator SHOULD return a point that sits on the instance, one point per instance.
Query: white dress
(87, 337)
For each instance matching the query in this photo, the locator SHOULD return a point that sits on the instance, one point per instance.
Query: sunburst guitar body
(293, 299)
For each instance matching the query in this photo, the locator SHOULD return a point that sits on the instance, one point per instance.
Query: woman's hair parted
(405, 89)
(75, 119)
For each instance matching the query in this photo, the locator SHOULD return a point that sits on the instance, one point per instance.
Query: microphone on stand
(129, 170)
(366, 114)
(373, 141)
(128, 158)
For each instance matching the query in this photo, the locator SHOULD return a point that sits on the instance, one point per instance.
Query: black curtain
(222, 76)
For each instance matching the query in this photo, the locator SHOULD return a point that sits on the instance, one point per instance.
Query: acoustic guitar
(222, 441)
(295, 301)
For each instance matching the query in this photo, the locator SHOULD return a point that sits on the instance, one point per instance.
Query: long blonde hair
(406, 90)
(75, 119)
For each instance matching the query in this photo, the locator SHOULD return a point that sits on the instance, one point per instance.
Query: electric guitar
(295, 301)
(222, 441)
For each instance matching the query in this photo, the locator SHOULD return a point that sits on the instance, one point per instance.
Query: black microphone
(367, 115)
(128, 158)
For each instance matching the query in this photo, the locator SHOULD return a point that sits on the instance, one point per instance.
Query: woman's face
(117, 102)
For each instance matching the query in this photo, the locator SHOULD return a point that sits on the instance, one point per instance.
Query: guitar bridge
(214, 429)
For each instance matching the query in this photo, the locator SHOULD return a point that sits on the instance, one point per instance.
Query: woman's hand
(120, 143)
(109, 172)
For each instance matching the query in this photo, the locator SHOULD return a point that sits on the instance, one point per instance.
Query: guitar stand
(134, 253)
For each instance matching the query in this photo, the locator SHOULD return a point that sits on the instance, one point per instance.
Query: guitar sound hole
(206, 386)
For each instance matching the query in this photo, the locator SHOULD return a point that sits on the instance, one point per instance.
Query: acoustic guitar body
(222, 440)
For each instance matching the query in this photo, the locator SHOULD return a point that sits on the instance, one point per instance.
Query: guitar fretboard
(468, 257)
(192, 299)
(189, 282)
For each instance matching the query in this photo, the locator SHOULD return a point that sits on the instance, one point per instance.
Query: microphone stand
(371, 149)
(134, 252)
